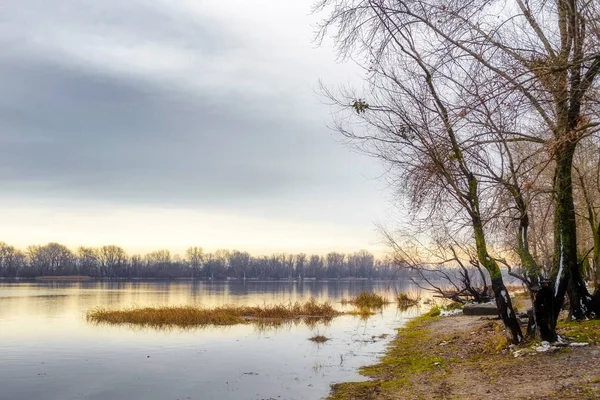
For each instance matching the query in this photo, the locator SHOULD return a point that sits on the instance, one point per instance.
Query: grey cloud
(130, 21)
(75, 128)
(71, 129)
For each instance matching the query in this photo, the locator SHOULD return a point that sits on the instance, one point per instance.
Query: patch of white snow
(449, 313)
(578, 344)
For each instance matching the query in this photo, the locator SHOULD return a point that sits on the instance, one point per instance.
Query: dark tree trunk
(586, 304)
(596, 302)
(596, 260)
(566, 267)
(544, 311)
(505, 309)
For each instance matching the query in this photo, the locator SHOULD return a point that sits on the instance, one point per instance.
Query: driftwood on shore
(480, 309)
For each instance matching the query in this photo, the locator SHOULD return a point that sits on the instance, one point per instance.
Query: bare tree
(454, 87)
(112, 260)
(414, 123)
(239, 262)
(587, 190)
(88, 261)
(195, 258)
(51, 259)
(447, 268)
(11, 260)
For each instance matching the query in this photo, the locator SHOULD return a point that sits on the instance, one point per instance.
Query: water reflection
(48, 350)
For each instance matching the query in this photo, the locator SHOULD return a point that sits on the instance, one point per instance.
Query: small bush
(405, 301)
(453, 306)
(368, 300)
(435, 311)
(319, 339)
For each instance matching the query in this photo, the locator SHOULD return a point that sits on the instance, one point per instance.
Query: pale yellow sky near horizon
(146, 229)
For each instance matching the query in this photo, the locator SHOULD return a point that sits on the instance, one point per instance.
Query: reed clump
(191, 316)
(319, 339)
(367, 300)
(405, 301)
(363, 312)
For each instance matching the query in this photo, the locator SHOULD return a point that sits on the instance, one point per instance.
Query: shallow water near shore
(48, 350)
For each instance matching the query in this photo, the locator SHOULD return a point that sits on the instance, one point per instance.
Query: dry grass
(363, 312)
(405, 301)
(192, 316)
(319, 339)
(367, 300)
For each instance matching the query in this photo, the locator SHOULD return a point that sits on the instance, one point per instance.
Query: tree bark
(503, 301)
(544, 309)
(506, 311)
(567, 274)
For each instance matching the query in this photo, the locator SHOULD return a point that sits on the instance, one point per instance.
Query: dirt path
(462, 357)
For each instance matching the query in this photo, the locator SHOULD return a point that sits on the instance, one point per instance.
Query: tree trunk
(544, 311)
(503, 301)
(596, 297)
(506, 311)
(542, 324)
(596, 259)
(567, 276)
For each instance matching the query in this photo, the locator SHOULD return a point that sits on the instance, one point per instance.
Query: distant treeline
(54, 259)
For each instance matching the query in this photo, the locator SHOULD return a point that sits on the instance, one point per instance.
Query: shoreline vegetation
(193, 316)
(75, 278)
(309, 312)
(365, 304)
(405, 301)
(367, 300)
(464, 357)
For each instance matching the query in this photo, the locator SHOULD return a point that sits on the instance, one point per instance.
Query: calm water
(49, 351)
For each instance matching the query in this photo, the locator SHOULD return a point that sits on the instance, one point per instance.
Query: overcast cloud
(204, 105)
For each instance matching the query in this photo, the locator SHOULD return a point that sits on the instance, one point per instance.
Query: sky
(171, 123)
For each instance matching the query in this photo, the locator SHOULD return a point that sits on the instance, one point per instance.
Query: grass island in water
(193, 316)
(367, 300)
(310, 312)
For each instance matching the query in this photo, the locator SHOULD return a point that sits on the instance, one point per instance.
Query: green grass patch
(581, 331)
(406, 357)
(453, 306)
(435, 311)
(354, 390)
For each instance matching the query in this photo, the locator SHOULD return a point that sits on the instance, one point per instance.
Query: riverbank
(70, 278)
(467, 357)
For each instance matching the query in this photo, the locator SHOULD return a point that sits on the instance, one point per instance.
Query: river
(49, 351)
